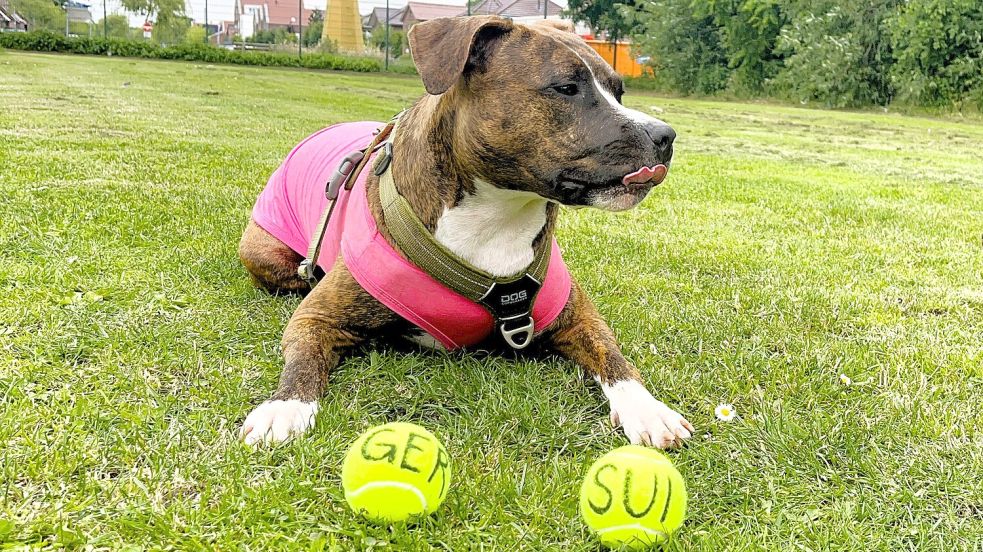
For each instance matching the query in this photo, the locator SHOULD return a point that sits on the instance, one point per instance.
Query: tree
(612, 17)
(118, 26)
(171, 30)
(262, 37)
(170, 24)
(195, 35)
(938, 45)
(397, 41)
(685, 47)
(837, 53)
(749, 32)
(314, 29)
(41, 14)
(277, 36)
(707, 45)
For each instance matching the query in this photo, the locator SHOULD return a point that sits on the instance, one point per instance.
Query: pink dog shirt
(291, 205)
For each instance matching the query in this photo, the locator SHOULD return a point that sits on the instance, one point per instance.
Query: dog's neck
(495, 229)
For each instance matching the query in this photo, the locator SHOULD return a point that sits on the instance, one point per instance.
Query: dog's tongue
(644, 174)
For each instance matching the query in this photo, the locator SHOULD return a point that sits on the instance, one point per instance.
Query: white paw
(644, 419)
(277, 421)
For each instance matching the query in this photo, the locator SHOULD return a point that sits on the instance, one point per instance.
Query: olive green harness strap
(420, 247)
(509, 300)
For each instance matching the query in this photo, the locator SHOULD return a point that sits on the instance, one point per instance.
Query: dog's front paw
(277, 421)
(644, 419)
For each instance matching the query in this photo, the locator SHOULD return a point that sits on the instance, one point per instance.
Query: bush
(397, 41)
(275, 36)
(938, 45)
(313, 32)
(686, 48)
(927, 53)
(118, 26)
(195, 35)
(43, 41)
(749, 32)
(838, 56)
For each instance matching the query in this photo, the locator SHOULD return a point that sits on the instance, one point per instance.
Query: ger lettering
(405, 454)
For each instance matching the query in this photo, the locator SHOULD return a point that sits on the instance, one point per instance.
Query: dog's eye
(567, 89)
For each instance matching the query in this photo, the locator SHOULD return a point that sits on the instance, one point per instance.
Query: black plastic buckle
(511, 305)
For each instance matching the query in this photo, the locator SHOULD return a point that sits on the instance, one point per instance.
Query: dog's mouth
(646, 175)
(578, 189)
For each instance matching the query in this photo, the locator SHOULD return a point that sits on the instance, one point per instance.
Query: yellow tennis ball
(633, 497)
(394, 472)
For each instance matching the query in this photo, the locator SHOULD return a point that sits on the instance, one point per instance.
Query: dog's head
(536, 109)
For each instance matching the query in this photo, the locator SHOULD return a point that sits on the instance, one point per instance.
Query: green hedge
(44, 41)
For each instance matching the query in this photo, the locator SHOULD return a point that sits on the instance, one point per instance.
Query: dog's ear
(445, 48)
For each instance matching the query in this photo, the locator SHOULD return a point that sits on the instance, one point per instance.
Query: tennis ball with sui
(633, 497)
(394, 472)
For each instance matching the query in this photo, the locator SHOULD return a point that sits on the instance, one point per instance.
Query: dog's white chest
(493, 229)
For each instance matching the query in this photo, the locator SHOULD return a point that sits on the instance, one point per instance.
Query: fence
(620, 57)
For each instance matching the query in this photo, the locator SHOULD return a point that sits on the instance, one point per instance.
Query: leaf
(7, 528)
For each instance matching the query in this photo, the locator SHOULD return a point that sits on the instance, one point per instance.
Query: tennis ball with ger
(394, 472)
(633, 497)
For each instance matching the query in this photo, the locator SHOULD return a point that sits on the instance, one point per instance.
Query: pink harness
(291, 205)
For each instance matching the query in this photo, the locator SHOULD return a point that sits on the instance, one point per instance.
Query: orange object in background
(625, 62)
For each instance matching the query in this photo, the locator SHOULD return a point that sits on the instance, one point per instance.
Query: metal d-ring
(526, 329)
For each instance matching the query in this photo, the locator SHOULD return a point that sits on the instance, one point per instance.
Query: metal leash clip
(306, 272)
(385, 158)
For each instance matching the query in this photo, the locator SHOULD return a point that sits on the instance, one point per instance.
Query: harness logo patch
(513, 298)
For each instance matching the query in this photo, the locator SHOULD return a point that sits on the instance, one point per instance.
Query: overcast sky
(221, 10)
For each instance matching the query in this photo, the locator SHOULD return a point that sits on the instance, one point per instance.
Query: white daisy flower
(725, 412)
(845, 380)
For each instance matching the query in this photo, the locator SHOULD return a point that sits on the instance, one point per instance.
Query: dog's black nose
(661, 134)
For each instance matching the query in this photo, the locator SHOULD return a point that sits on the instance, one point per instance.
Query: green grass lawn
(787, 247)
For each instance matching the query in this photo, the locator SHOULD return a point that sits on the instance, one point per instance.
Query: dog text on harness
(512, 298)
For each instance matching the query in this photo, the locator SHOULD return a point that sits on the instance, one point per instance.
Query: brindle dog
(518, 120)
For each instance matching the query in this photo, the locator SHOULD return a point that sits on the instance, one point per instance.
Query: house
(250, 18)
(227, 31)
(11, 21)
(415, 12)
(283, 14)
(377, 17)
(78, 12)
(525, 11)
(520, 11)
(253, 16)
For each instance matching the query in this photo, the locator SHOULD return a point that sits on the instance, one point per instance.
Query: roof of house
(423, 11)
(379, 14)
(279, 12)
(8, 14)
(514, 8)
